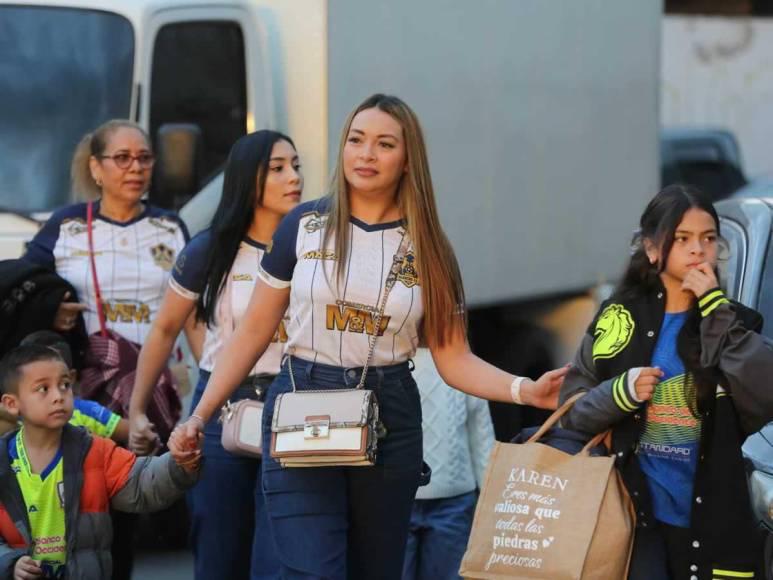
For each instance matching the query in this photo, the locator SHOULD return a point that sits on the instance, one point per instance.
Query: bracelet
(515, 390)
(199, 417)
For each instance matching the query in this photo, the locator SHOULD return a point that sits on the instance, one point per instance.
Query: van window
(198, 77)
(63, 72)
(732, 267)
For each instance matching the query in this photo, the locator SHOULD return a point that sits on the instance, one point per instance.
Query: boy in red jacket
(57, 482)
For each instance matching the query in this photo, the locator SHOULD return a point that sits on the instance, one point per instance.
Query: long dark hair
(657, 226)
(245, 174)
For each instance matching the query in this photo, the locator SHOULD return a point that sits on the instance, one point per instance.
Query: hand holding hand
(700, 280)
(143, 439)
(185, 444)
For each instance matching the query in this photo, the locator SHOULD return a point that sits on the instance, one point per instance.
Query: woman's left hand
(700, 279)
(543, 393)
(186, 451)
(67, 314)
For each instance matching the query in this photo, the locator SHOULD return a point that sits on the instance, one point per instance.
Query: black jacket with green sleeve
(623, 335)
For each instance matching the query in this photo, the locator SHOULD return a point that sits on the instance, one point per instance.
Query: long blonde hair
(83, 185)
(441, 281)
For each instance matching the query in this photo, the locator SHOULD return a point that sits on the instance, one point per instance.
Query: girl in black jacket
(680, 374)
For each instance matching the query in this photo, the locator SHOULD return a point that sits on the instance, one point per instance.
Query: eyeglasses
(125, 160)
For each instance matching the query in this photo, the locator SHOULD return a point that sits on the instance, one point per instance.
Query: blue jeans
(438, 538)
(229, 526)
(347, 522)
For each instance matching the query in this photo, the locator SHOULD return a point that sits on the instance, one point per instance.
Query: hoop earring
(98, 182)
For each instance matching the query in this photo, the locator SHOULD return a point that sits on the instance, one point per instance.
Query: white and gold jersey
(133, 259)
(331, 321)
(189, 278)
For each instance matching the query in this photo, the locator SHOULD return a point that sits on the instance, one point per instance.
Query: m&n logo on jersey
(126, 311)
(353, 317)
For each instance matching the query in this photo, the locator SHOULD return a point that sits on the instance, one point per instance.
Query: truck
(541, 120)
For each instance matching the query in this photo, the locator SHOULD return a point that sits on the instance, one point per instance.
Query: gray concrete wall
(541, 118)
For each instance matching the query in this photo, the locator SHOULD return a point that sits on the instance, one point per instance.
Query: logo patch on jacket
(613, 332)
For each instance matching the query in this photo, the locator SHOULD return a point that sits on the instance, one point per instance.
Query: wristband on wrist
(515, 390)
(199, 418)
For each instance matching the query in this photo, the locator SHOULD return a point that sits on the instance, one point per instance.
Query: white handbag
(331, 427)
(327, 427)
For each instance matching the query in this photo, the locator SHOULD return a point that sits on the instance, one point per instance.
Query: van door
(204, 66)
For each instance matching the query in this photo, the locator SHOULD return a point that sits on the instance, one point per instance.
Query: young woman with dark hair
(679, 373)
(214, 275)
(329, 261)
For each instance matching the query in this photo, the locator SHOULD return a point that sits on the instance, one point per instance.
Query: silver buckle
(316, 427)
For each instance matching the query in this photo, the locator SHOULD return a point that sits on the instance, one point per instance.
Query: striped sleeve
(624, 390)
(711, 300)
(94, 417)
(606, 401)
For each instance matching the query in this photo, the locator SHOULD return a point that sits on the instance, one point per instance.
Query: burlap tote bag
(544, 514)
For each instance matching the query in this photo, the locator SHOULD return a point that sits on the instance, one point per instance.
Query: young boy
(89, 414)
(57, 482)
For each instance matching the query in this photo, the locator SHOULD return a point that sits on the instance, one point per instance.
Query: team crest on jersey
(163, 256)
(75, 226)
(613, 332)
(60, 493)
(315, 222)
(408, 273)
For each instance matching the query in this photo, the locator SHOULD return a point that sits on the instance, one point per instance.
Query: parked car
(747, 225)
(705, 157)
(758, 187)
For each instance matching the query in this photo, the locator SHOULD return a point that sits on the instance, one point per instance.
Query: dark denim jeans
(229, 525)
(347, 522)
(438, 537)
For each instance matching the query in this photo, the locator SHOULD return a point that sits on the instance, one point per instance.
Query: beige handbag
(242, 427)
(328, 427)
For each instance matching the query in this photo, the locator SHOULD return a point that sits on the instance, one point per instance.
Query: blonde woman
(329, 260)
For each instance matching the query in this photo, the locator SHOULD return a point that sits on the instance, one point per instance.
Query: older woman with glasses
(134, 243)
(128, 248)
